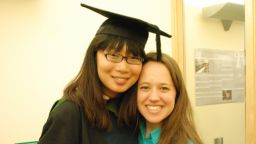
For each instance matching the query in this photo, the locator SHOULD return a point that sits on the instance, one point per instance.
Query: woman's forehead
(121, 48)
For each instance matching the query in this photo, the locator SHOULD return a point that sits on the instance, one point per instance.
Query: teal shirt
(153, 136)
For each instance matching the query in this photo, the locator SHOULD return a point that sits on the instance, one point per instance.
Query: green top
(152, 138)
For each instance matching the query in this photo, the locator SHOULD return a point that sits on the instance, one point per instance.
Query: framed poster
(219, 76)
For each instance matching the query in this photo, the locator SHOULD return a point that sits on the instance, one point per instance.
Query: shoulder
(64, 105)
(63, 124)
(64, 110)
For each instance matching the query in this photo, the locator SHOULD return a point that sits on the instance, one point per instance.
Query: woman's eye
(164, 89)
(114, 55)
(144, 88)
(134, 57)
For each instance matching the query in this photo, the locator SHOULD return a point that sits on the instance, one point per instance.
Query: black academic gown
(67, 124)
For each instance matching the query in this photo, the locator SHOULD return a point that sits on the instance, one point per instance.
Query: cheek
(140, 101)
(103, 65)
(141, 96)
(169, 98)
(172, 102)
(104, 68)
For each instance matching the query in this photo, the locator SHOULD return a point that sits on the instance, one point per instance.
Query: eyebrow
(150, 83)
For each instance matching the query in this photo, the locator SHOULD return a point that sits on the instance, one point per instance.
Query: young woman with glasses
(94, 109)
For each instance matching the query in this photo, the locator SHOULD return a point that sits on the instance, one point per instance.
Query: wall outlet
(218, 140)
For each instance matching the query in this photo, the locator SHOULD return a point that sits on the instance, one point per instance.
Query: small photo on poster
(202, 65)
(226, 95)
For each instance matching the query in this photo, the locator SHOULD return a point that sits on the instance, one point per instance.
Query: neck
(109, 93)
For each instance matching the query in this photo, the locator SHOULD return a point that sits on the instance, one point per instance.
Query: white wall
(220, 120)
(42, 46)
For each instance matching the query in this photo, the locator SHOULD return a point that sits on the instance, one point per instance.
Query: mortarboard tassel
(158, 44)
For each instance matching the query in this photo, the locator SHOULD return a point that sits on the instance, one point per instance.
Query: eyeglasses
(117, 58)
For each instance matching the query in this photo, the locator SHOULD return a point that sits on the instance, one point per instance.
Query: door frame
(250, 43)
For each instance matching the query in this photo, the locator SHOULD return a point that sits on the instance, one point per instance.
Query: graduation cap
(128, 27)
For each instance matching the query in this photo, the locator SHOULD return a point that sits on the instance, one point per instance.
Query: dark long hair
(179, 126)
(86, 89)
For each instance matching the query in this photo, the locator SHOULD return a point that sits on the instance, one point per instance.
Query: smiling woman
(43, 43)
(164, 105)
(116, 74)
(156, 94)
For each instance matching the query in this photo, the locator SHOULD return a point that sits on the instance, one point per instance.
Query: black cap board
(128, 27)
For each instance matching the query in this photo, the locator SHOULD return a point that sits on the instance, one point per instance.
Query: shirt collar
(153, 136)
(113, 105)
(105, 97)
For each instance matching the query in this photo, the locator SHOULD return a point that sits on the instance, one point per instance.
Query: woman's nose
(154, 95)
(123, 66)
